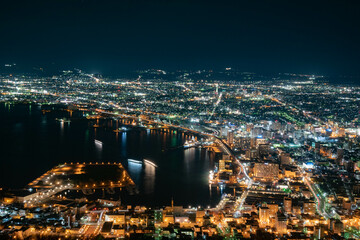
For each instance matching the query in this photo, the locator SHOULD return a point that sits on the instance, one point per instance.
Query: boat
(189, 144)
(135, 161)
(98, 142)
(62, 120)
(118, 130)
(150, 162)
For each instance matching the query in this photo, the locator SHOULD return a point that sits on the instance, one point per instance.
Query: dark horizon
(112, 37)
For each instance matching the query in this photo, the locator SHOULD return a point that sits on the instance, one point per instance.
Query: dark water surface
(33, 142)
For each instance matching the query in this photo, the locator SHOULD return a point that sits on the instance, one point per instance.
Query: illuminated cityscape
(182, 119)
(285, 169)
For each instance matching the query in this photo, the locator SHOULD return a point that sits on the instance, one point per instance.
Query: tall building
(274, 208)
(224, 131)
(264, 216)
(281, 225)
(287, 205)
(158, 216)
(230, 138)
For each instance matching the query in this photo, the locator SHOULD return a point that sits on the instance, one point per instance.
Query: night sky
(114, 36)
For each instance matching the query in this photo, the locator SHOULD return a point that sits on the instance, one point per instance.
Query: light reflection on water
(134, 170)
(181, 174)
(123, 143)
(149, 178)
(189, 156)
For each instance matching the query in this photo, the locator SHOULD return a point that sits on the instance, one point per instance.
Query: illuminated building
(266, 171)
(289, 173)
(224, 131)
(8, 200)
(296, 210)
(230, 137)
(264, 216)
(244, 143)
(309, 208)
(319, 231)
(225, 165)
(271, 142)
(158, 216)
(281, 224)
(287, 205)
(274, 208)
(341, 132)
(115, 218)
(251, 154)
(200, 214)
(260, 141)
(168, 219)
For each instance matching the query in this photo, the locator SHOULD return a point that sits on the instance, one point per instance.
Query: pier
(85, 177)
